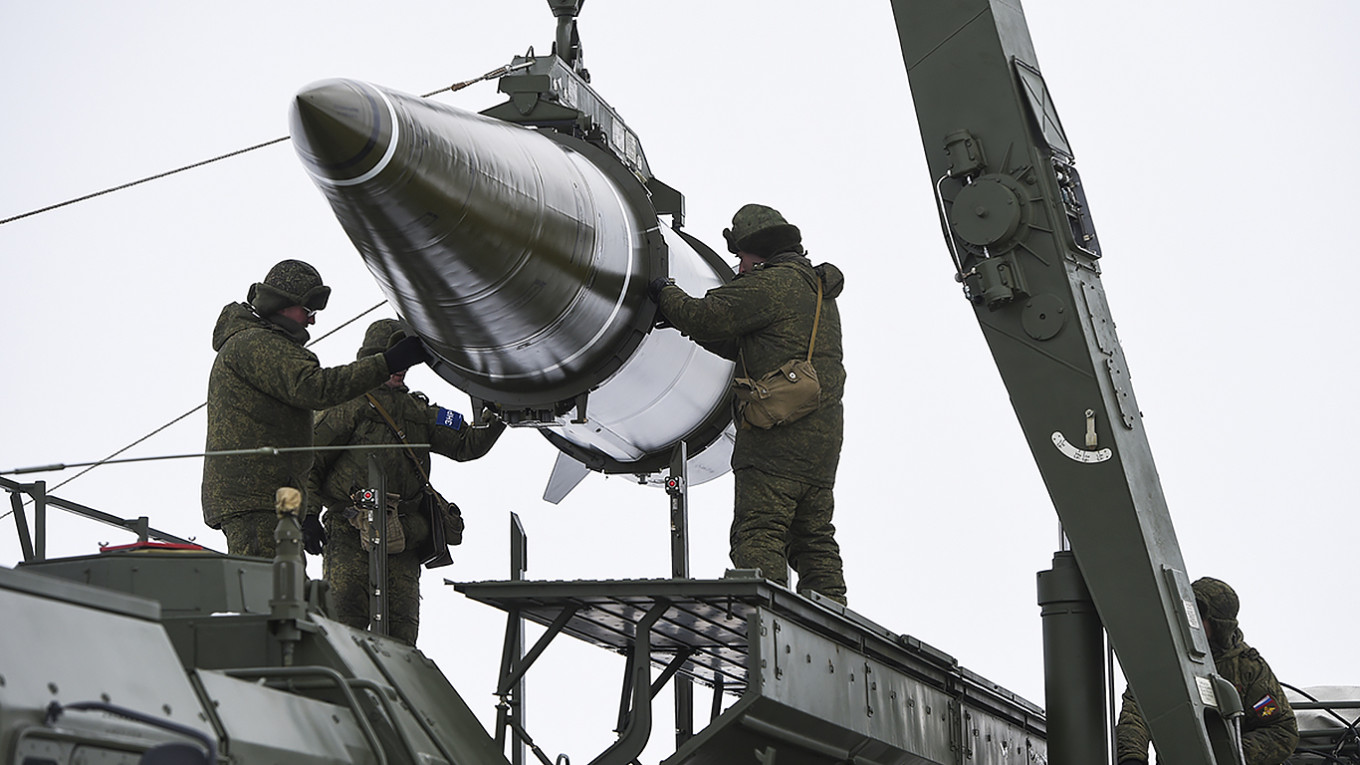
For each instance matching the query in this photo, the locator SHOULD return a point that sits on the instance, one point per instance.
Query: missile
(521, 256)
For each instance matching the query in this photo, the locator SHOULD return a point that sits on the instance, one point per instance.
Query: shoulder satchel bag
(445, 518)
(785, 395)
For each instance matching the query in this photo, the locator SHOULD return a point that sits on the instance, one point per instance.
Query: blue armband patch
(449, 419)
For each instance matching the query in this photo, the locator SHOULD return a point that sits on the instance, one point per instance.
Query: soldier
(762, 319)
(1269, 731)
(262, 390)
(337, 475)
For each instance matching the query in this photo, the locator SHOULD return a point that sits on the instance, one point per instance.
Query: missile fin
(567, 473)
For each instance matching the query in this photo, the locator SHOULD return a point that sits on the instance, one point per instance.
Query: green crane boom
(1018, 228)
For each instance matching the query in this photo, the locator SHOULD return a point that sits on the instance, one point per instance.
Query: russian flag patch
(450, 419)
(1266, 706)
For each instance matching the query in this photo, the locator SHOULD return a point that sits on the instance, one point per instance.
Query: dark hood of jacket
(1218, 604)
(833, 281)
(238, 317)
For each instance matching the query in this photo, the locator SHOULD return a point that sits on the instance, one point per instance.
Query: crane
(1018, 227)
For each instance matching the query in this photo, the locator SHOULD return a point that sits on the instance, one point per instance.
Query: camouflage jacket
(761, 320)
(336, 474)
(1269, 731)
(262, 391)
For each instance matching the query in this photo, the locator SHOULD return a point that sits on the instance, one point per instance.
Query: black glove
(408, 352)
(453, 526)
(658, 284)
(313, 536)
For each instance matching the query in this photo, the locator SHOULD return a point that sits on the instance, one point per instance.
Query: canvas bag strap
(372, 400)
(816, 318)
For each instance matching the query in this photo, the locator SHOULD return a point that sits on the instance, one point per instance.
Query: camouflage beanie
(381, 335)
(290, 282)
(761, 231)
(1218, 604)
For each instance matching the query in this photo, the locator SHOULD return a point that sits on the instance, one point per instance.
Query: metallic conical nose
(516, 258)
(343, 130)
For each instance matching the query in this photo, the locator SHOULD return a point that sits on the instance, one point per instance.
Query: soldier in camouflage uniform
(1269, 731)
(785, 475)
(336, 475)
(262, 390)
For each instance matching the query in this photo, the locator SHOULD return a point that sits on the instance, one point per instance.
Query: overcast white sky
(1212, 140)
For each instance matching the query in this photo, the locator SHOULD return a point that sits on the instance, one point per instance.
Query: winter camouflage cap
(381, 335)
(1218, 604)
(761, 231)
(290, 282)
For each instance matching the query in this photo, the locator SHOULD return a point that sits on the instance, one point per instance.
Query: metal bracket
(1073, 197)
(965, 154)
(374, 502)
(581, 402)
(677, 487)
(511, 675)
(633, 736)
(995, 281)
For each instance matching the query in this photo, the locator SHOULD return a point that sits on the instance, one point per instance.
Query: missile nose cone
(344, 131)
(521, 257)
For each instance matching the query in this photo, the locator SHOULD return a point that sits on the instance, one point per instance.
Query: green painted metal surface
(1021, 236)
(817, 683)
(63, 644)
(124, 628)
(209, 583)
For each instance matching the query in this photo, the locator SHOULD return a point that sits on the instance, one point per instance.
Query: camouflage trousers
(778, 522)
(345, 569)
(251, 533)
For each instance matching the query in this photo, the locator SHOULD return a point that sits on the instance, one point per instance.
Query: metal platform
(705, 619)
(818, 682)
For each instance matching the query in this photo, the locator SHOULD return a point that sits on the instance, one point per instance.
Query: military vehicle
(173, 654)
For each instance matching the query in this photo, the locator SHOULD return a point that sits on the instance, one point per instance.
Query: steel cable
(348, 322)
(457, 86)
